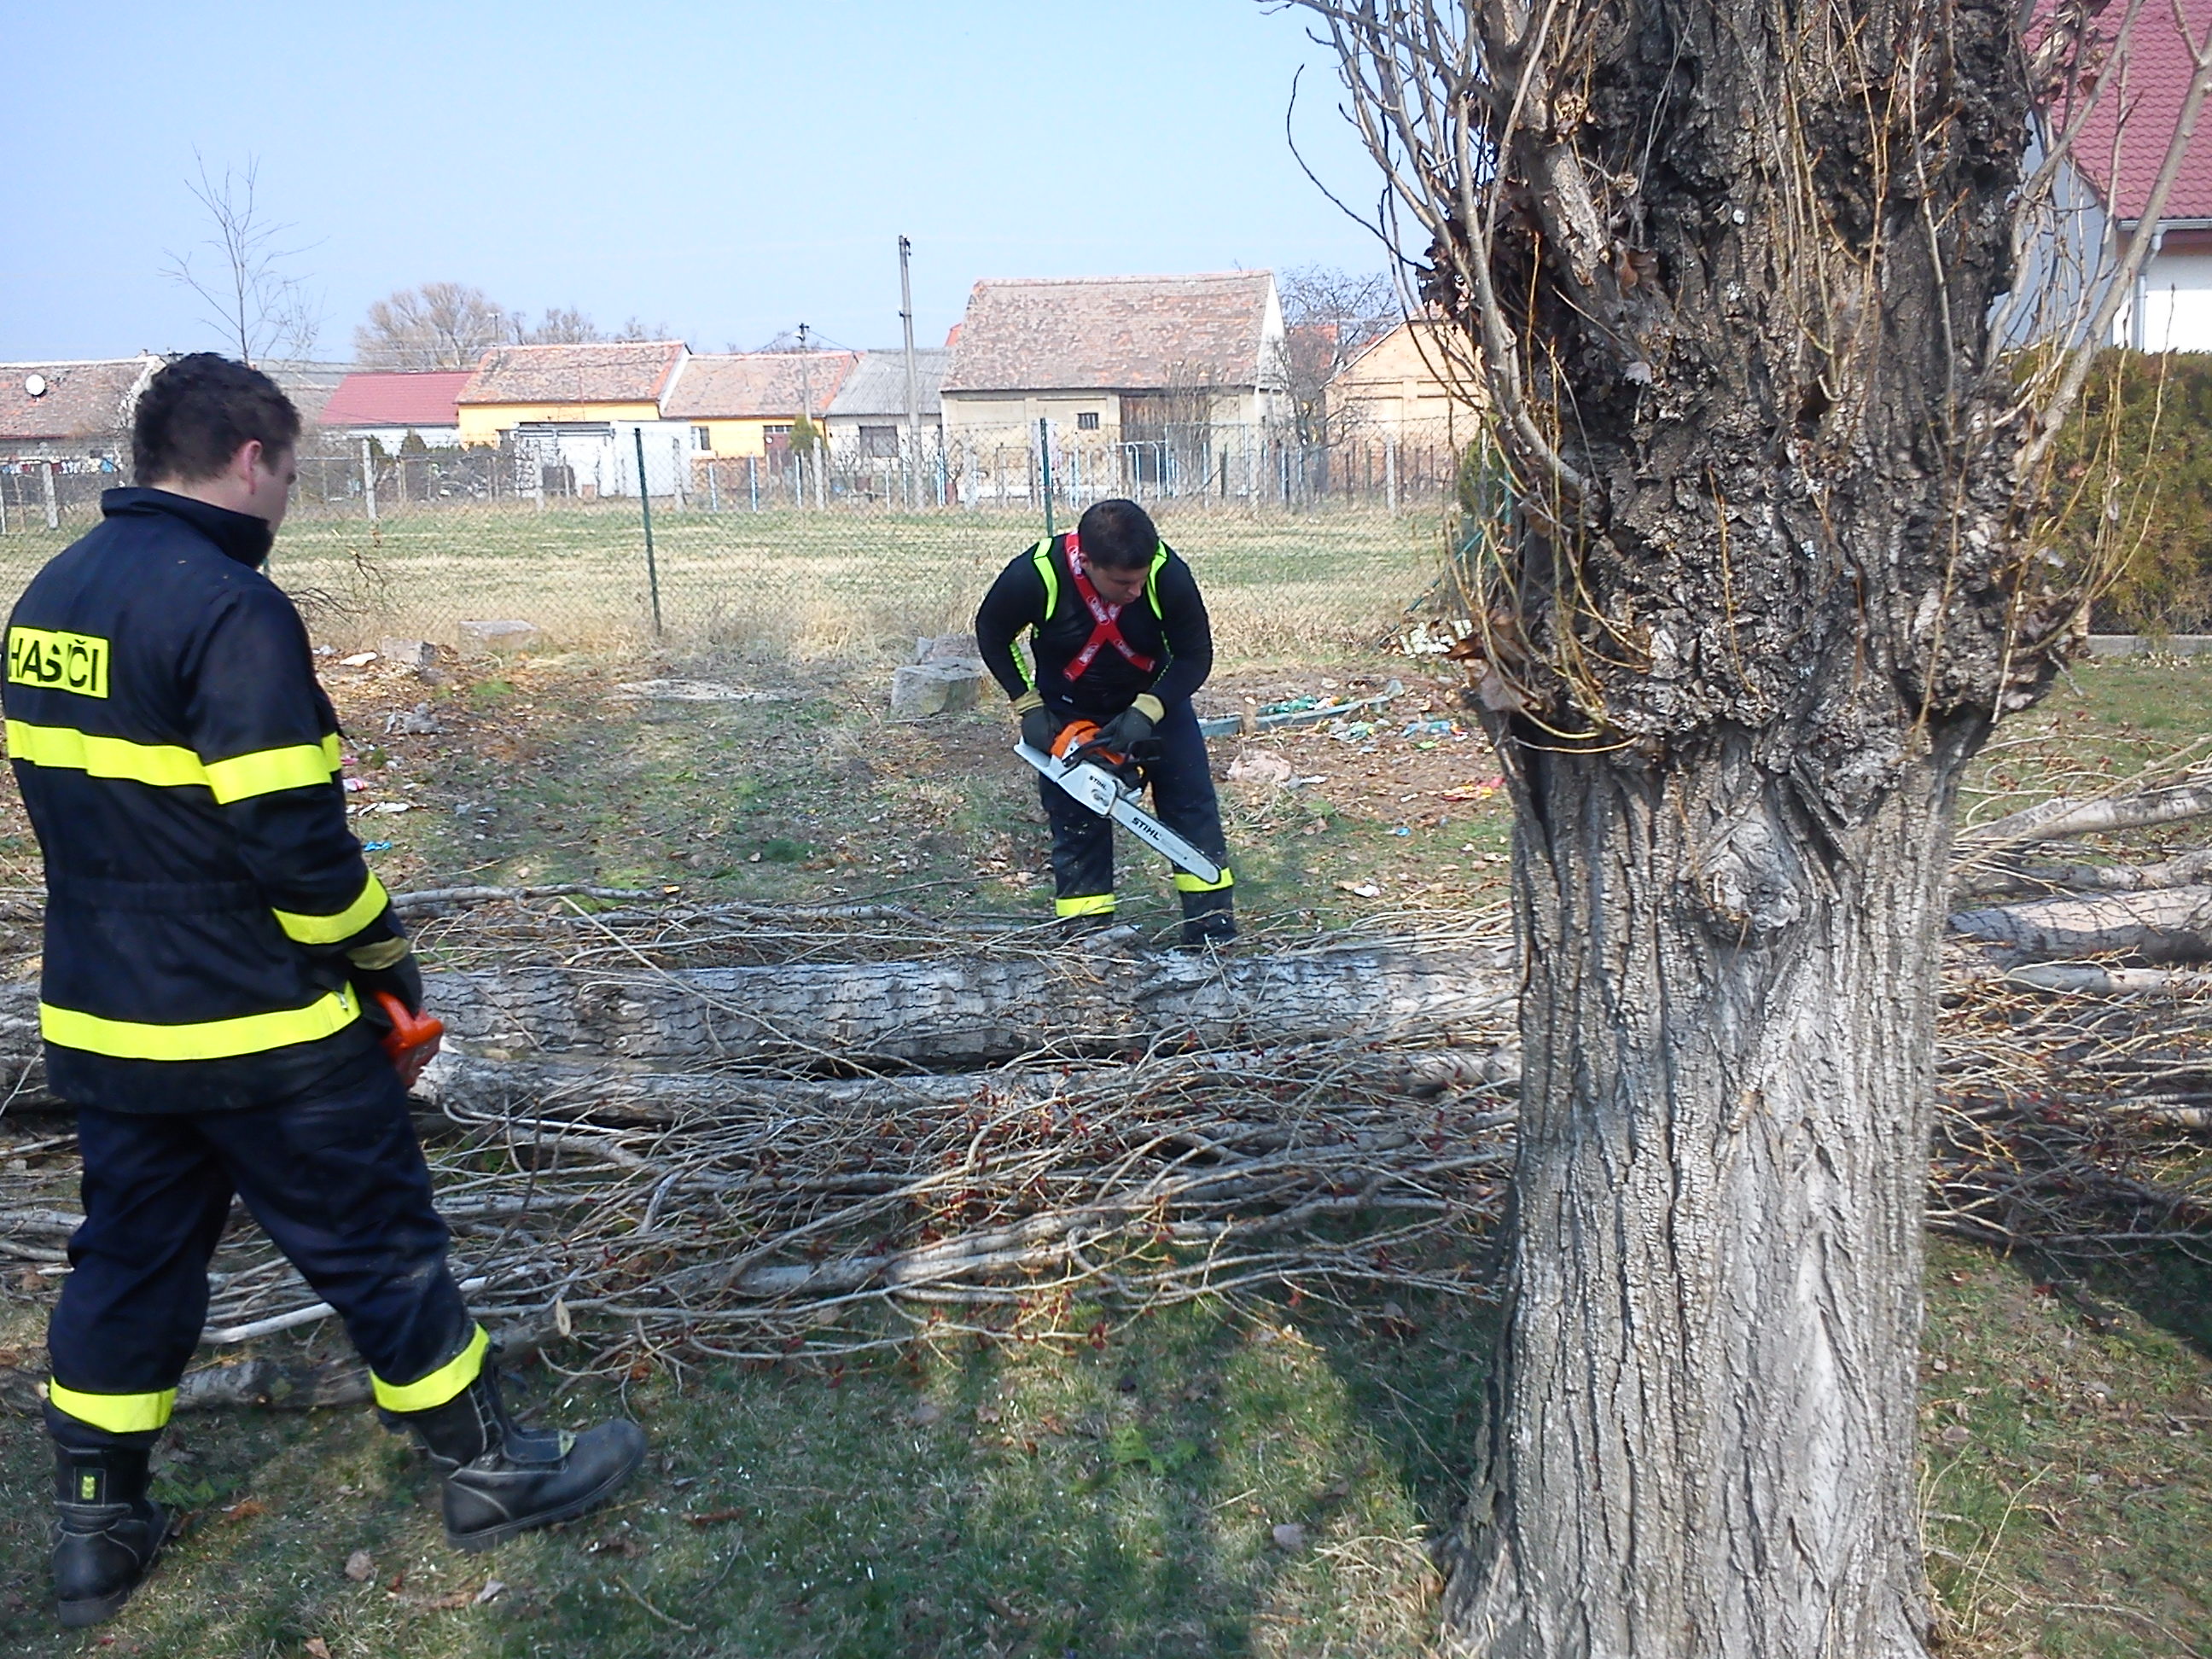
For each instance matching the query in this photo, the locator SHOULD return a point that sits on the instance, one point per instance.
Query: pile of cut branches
(751, 1133)
(2076, 1038)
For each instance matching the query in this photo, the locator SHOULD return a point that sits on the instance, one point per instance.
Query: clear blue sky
(730, 169)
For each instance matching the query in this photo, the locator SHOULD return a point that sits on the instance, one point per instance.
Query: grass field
(1117, 1494)
(854, 582)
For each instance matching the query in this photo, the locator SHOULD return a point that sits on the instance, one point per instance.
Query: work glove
(376, 972)
(1121, 734)
(1040, 727)
(388, 966)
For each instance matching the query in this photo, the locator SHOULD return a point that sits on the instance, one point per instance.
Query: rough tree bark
(666, 1043)
(1726, 271)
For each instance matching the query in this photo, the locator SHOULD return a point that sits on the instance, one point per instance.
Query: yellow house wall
(1395, 385)
(735, 438)
(482, 423)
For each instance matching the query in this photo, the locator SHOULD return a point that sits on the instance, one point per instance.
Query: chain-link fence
(1298, 546)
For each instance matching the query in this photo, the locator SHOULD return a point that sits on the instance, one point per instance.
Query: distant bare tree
(1329, 317)
(437, 326)
(634, 330)
(563, 326)
(241, 271)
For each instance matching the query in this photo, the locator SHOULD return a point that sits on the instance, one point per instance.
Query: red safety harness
(1106, 628)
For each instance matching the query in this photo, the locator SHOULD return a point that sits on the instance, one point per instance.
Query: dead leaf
(1361, 889)
(246, 1510)
(1956, 1435)
(459, 1598)
(1290, 1537)
(318, 1648)
(359, 1565)
(492, 1591)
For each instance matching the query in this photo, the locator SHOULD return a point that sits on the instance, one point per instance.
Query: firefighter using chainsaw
(217, 953)
(1120, 640)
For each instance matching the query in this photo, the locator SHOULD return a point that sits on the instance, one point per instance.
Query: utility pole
(913, 385)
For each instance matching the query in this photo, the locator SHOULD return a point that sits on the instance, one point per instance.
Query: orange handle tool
(412, 1039)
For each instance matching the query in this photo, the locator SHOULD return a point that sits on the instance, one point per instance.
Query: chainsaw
(1101, 781)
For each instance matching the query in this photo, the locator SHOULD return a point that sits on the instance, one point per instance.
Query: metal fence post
(713, 486)
(645, 509)
(752, 479)
(53, 502)
(1390, 474)
(3, 503)
(677, 470)
(368, 478)
(1044, 463)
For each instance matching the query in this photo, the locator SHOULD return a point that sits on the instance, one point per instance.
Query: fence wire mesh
(1298, 546)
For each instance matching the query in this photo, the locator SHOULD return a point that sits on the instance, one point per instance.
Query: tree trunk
(1701, 1435)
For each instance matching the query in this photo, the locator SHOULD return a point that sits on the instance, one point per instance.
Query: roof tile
(1113, 333)
(737, 385)
(629, 371)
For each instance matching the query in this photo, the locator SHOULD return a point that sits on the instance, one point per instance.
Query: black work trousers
(1183, 799)
(338, 1181)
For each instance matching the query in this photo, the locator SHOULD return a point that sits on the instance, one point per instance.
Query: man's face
(1118, 586)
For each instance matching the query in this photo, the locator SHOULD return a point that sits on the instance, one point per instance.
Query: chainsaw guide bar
(1102, 792)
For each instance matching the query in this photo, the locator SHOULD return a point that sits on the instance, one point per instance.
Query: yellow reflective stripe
(429, 1393)
(206, 1039)
(328, 930)
(1041, 553)
(1090, 904)
(265, 771)
(118, 1414)
(66, 749)
(170, 766)
(1152, 577)
(1187, 882)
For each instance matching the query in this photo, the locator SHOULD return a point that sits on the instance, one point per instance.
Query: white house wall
(2174, 297)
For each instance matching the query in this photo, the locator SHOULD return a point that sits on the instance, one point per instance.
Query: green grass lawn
(847, 580)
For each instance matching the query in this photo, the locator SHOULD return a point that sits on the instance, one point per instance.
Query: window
(772, 432)
(702, 440)
(879, 442)
(1087, 420)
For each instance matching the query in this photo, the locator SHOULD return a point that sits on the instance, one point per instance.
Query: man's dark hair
(196, 411)
(1118, 534)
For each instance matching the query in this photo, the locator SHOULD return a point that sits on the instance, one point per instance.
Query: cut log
(2044, 880)
(645, 1035)
(2082, 979)
(622, 1093)
(2063, 819)
(952, 1013)
(2171, 925)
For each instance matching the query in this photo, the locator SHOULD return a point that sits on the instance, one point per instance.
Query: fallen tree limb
(2173, 925)
(2064, 819)
(958, 1011)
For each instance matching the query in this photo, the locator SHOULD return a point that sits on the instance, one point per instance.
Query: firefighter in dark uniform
(214, 944)
(1119, 637)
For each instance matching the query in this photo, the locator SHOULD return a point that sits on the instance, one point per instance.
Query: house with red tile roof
(745, 403)
(388, 405)
(2121, 146)
(1116, 355)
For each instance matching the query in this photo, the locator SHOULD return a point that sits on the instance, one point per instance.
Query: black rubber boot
(1207, 919)
(502, 1478)
(106, 1532)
